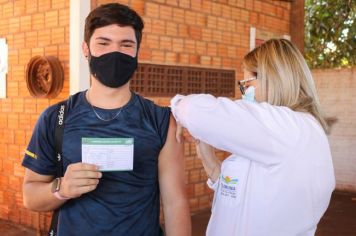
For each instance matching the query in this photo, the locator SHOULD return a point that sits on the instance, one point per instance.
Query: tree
(330, 29)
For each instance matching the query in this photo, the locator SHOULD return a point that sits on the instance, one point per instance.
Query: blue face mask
(249, 94)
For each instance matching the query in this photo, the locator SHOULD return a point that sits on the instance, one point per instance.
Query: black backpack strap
(58, 135)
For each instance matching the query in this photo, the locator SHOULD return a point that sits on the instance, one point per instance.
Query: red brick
(145, 54)
(216, 62)
(4, 26)
(139, 6)
(9, 137)
(20, 138)
(199, 189)
(58, 35)
(18, 105)
(3, 121)
(63, 54)
(7, 169)
(194, 204)
(15, 184)
(170, 58)
(38, 21)
(158, 55)
(184, 3)
(171, 29)
(14, 216)
(152, 10)
(25, 215)
(183, 30)
(165, 43)
(152, 41)
(178, 15)
(158, 27)
(204, 202)
(51, 50)
(190, 18)
(25, 56)
(212, 49)
(4, 211)
(13, 152)
(194, 59)
(165, 12)
(189, 45)
(1, 197)
(190, 190)
(183, 58)
(217, 37)
(18, 72)
(58, 4)
(12, 91)
(44, 5)
(216, 9)
(14, 24)
(37, 51)
(8, 10)
(19, 7)
(201, 47)
(195, 33)
(25, 23)
(13, 121)
(23, 91)
(51, 18)
(31, 6)
(207, 35)
(44, 37)
(201, 20)
(19, 170)
(63, 17)
(42, 104)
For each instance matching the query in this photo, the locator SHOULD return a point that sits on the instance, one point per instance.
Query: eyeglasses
(242, 83)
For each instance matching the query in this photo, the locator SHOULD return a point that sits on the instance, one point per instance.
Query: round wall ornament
(44, 76)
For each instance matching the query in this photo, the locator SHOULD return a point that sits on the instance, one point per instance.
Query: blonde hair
(285, 77)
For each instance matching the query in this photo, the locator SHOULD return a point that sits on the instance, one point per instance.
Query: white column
(252, 38)
(3, 66)
(79, 70)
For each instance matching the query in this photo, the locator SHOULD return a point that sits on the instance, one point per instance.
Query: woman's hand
(210, 162)
(179, 133)
(204, 150)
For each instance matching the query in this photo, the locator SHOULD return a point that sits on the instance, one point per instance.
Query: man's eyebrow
(128, 41)
(103, 38)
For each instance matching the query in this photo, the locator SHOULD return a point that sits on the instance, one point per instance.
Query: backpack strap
(58, 136)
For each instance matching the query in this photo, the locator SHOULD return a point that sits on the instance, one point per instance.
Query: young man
(95, 202)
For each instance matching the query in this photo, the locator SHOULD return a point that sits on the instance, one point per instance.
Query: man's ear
(85, 50)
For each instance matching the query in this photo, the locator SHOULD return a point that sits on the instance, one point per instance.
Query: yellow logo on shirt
(31, 154)
(228, 180)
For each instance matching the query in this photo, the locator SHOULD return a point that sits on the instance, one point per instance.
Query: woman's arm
(260, 132)
(211, 163)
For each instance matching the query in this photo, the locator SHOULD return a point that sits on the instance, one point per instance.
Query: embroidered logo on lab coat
(229, 186)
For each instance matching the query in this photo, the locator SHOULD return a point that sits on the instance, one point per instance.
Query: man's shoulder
(152, 105)
(51, 112)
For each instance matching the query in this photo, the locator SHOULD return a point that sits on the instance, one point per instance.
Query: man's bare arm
(172, 186)
(79, 178)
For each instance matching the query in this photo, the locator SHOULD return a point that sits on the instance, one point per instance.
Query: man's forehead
(115, 32)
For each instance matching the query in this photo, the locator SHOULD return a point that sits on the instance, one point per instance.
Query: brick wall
(337, 91)
(31, 27)
(186, 32)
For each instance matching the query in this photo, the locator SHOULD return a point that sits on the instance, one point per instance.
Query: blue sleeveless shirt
(124, 202)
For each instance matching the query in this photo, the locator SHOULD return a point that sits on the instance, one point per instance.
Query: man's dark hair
(113, 13)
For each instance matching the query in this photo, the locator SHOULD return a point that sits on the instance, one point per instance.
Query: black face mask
(113, 69)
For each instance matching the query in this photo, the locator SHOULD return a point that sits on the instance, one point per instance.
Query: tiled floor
(339, 220)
